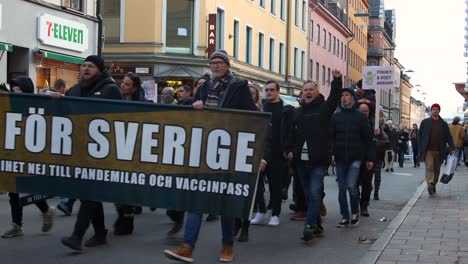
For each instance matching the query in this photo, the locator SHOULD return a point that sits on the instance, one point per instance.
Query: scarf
(217, 88)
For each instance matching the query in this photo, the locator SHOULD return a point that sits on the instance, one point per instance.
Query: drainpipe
(288, 40)
(99, 17)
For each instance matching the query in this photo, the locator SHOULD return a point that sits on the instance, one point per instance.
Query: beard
(89, 83)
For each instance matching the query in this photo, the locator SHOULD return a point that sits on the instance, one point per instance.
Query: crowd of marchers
(333, 135)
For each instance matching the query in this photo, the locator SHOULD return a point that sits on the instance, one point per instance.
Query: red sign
(211, 34)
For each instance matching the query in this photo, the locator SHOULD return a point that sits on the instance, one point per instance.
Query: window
(295, 62)
(283, 10)
(220, 29)
(111, 19)
(342, 50)
(324, 38)
(76, 4)
(304, 15)
(235, 52)
(323, 74)
(338, 48)
(261, 40)
(273, 7)
(311, 69)
(248, 46)
(318, 34)
(345, 53)
(296, 13)
(262, 3)
(302, 65)
(329, 41)
(271, 66)
(317, 72)
(328, 75)
(281, 59)
(334, 45)
(311, 30)
(179, 26)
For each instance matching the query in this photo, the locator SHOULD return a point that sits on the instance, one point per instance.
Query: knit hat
(436, 106)
(96, 60)
(221, 54)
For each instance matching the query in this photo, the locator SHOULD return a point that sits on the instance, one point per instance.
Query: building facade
(170, 41)
(48, 41)
(328, 42)
(405, 100)
(417, 112)
(358, 21)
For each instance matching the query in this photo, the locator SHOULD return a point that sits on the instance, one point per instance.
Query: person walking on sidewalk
(381, 144)
(352, 139)
(458, 135)
(414, 144)
(433, 136)
(403, 138)
(391, 151)
(224, 90)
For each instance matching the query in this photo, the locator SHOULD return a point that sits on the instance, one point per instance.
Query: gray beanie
(221, 54)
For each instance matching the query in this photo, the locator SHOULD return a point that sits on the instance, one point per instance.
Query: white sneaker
(259, 217)
(274, 221)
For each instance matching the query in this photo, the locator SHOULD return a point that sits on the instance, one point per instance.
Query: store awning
(6, 46)
(60, 57)
(179, 71)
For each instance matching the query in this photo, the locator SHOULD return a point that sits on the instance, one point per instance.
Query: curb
(378, 247)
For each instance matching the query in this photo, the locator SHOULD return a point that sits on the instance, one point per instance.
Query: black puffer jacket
(352, 136)
(312, 124)
(103, 87)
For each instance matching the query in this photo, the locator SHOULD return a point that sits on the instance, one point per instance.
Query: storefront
(45, 43)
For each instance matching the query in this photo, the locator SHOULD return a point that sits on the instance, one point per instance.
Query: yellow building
(357, 23)
(405, 101)
(170, 40)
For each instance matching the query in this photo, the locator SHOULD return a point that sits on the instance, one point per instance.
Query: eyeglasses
(216, 63)
(270, 90)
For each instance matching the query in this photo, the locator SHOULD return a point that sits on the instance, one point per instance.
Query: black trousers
(415, 155)
(276, 170)
(176, 216)
(260, 195)
(17, 209)
(377, 176)
(90, 212)
(298, 192)
(365, 180)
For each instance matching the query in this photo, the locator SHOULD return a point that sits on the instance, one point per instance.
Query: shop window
(179, 26)
(74, 4)
(111, 19)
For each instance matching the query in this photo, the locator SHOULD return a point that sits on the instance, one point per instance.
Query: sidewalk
(428, 229)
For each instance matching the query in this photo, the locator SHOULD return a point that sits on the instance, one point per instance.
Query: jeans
(193, 224)
(347, 177)
(17, 209)
(458, 152)
(312, 182)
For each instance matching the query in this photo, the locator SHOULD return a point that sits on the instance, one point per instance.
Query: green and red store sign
(63, 33)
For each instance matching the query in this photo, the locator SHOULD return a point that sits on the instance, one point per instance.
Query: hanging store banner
(211, 34)
(380, 77)
(135, 153)
(63, 33)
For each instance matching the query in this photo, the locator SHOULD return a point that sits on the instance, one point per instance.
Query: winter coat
(186, 101)
(381, 145)
(392, 136)
(103, 87)
(424, 138)
(458, 135)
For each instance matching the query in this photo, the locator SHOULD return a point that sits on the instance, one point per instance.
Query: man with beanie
(223, 90)
(433, 137)
(95, 82)
(352, 139)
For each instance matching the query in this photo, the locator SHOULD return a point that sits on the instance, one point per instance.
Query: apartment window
(295, 62)
(328, 75)
(273, 7)
(311, 69)
(179, 26)
(317, 72)
(281, 59)
(334, 45)
(324, 38)
(329, 41)
(271, 66)
(302, 64)
(220, 29)
(304, 15)
(75, 4)
(111, 19)
(283, 10)
(318, 34)
(261, 42)
(338, 48)
(345, 53)
(296, 13)
(235, 52)
(311, 30)
(248, 47)
(342, 51)
(323, 74)
(262, 3)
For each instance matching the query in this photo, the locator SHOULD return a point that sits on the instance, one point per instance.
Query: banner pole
(377, 109)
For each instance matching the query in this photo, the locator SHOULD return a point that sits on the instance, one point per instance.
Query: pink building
(328, 43)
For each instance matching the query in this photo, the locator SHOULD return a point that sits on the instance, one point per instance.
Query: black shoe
(176, 227)
(211, 218)
(293, 207)
(123, 225)
(97, 240)
(391, 170)
(355, 221)
(244, 235)
(430, 189)
(387, 170)
(310, 233)
(376, 197)
(364, 211)
(137, 210)
(343, 223)
(72, 242)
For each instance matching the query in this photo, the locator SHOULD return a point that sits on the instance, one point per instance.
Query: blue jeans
(347, 177)
(193, 224)
(312, 182)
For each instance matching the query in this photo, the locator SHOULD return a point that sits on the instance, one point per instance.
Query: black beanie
(96, 60)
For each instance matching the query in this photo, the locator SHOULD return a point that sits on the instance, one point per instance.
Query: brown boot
(323, 209)
(182, 253)
(299, 216)
(227, 254)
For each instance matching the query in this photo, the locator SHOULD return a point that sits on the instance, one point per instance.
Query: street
(266, 245)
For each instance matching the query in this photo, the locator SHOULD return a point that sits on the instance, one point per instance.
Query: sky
(430, 41)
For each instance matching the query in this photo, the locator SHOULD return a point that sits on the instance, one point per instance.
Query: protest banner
(380, 77)
(135, 153)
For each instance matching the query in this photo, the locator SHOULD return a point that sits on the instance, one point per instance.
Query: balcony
(375, 52)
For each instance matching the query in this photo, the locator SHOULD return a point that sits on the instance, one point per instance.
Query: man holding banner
(223, 91)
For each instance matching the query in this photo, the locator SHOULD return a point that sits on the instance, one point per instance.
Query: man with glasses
(223, 90)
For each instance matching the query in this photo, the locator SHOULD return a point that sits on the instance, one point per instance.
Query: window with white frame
(220, 29)
(262, 3)
(318, 34)
(271, 65)
(296, 13)
(311, 69)
(303, 65)
(111, 19)
(324, 38)
(248, 46)
(283, 10)
(317, 72)
(295, 62)
(304, 15)
(273, 7)
(235, 51)
(281, 58)
(261, 40)
(323, 74)
(311, 33)
(75, 4)
(179, 26)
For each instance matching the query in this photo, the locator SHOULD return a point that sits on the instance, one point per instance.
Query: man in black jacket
(433, 137)
(403, 138)
(95, 82)
(352, 139)
(310, 143)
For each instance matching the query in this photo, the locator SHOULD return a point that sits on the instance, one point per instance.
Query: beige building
(170, 41)
(358, 11)
(405, 101)
(418, 111)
